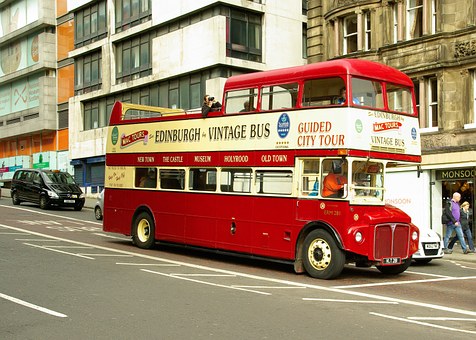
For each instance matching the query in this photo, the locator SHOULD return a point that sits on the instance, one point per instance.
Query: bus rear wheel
(143, 231)
(322, 257)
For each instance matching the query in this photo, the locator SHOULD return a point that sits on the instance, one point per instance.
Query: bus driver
(334, 182)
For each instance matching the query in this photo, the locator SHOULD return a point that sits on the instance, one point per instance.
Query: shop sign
(455, 174)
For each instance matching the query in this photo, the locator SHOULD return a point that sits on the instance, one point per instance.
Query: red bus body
(278, 217)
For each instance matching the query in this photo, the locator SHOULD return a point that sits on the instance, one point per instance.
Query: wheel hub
(319, 254)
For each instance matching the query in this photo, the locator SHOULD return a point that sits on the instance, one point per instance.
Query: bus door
(307, 204)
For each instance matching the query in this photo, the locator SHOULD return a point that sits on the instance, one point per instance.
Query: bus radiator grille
(391, 240)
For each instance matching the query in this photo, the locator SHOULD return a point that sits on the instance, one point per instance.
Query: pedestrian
(464, 218)
(452, 216)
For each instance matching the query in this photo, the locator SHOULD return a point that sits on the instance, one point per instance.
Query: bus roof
(341, 67)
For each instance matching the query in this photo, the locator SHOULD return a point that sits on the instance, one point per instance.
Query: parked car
(98, 207)
(46, 188)
(430, 247)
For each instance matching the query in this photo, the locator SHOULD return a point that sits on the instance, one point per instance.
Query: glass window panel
(274, 182)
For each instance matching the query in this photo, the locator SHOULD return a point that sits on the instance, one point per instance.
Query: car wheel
(43, 202)
(15, 199)
(98, 213)
(322, 258)
(143, 234)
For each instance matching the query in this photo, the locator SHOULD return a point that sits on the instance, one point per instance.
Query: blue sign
(284, 124)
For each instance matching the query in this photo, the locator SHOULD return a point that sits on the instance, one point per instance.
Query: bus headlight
(358, 237)
(414, 236)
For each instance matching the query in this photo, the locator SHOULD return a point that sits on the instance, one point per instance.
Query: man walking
(452, 214)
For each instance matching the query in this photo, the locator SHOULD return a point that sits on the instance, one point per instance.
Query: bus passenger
(151, 180)
(209, 104)
(247, 107)
(334, 182)
(341, 100)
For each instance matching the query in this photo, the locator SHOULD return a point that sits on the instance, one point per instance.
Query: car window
(59, 178)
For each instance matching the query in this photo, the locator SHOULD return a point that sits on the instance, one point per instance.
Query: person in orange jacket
(334, 182)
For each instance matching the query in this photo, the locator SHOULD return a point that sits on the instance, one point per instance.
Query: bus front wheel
(322, 257)
(395, 270)
(144, 231)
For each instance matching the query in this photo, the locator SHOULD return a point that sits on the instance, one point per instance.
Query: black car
(46, 188)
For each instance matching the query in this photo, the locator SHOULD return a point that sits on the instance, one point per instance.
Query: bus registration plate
(392, 260)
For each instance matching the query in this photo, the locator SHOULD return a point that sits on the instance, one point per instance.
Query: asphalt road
(62, 277)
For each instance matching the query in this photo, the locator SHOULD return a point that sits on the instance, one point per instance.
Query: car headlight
(52, 194)
(358, 237)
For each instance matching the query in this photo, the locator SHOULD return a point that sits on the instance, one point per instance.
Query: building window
(133, 58)
(244, 35)
(130, 13)
(432, 120)
(350, 34)
(414, 27)
(88, 76)
(416, 87)
(304, 41)
(368, 31)
(395, 22)
(90, 24)
(470, 121)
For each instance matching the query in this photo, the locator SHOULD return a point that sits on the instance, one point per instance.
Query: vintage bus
(252, 178)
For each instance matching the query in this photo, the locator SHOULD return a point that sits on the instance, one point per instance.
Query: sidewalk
(457, 254)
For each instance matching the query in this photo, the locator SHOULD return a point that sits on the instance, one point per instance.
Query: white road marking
(351, 301)
(439, 318)
(59, 251)
(106, 255)
(32, 306)
(425, 274)
(148, 264)
(114, 237)
(262, 278)
(204, 282)
(202, 275)
(423, 323)
(269, 287)
(35, 240)
(406, 282)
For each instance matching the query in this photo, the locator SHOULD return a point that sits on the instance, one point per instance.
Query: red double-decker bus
(292, 168)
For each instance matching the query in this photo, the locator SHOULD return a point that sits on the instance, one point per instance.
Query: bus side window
(322, 92)
(203, 179)
(140, 177)
(276, 97)
(172, 179)
(235, 180)
(241, 101)
(310, 177)
(278, 182)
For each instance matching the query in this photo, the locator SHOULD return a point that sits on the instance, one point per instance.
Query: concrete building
(33, 102)
(434, 42)
(170, 54)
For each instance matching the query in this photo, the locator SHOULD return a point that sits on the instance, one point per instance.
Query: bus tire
(394, 270)
(143, 231)
(322, 258)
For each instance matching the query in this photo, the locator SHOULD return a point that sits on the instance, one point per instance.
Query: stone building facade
(434, 42)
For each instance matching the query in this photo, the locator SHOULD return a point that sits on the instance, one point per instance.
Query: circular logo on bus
(359, 126)
(283, 125)
(414, 133)
(115, 135)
